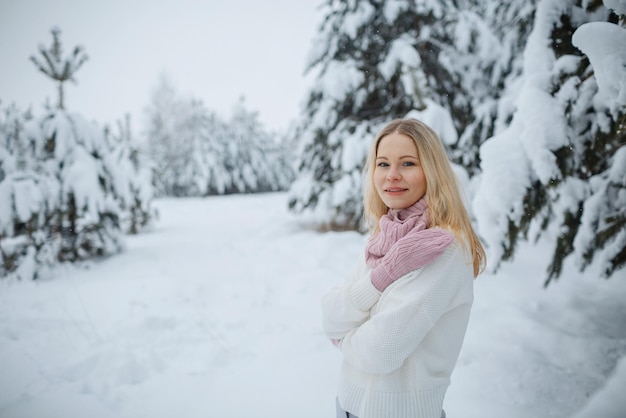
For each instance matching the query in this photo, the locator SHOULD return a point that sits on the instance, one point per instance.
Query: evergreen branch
(62, 75)
(41, 67)
(50, 61)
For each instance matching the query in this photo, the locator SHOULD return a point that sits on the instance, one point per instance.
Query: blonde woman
(400, 318)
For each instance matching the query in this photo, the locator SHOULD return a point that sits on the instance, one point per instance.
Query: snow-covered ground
(215, 313)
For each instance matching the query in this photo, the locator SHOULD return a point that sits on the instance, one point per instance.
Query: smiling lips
(395, 191)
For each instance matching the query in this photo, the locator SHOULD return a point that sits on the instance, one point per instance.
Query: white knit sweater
(400, 347)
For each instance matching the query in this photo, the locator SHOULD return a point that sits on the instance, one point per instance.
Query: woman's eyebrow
(414, 157)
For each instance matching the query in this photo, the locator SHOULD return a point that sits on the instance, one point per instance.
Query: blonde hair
(443, 195)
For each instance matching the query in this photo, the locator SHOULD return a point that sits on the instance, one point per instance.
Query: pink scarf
(404, 243)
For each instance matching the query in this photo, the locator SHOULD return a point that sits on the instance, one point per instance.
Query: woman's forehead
(394, 144)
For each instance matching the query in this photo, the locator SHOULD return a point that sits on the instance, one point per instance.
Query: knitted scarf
(404, 243)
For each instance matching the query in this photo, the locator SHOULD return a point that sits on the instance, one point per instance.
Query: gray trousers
(343, 414)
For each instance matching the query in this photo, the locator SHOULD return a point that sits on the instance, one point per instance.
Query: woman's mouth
(395, 191)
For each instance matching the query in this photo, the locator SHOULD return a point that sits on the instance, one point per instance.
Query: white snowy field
(215, 313)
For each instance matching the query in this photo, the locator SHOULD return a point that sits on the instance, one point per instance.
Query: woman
(401, 317)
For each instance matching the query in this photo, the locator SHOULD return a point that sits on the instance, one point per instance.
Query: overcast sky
(215, 50)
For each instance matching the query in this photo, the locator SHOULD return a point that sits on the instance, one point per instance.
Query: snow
(597, 209)
(354, 149)
(215, 313)
(401, 53)
(439, 120)
(392, 9)
(542, 131)
(609, 402)
(618, 6)
(505, 176)
(352, 22)
(605, 45)
(6, 192)
(342, 188)
(27, 198)
(82, 171)
(339, 79)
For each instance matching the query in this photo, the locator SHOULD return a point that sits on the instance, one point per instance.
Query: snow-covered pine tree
(75, 152)
(87, 210)
(487, 43)
(213, 154)
(352, 97)
(171, 133)
(24, 196)
(61, 188)
(132, 178)
(57, 196)
(558, 169)
(376, 60)
(257, 162)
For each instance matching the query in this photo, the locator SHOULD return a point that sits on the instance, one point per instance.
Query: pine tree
(557, 170)
(488, 41)
(377, 60)
(261, 164)
(133, 178)
(591, 198)
(165, 147)
(87, 210)
(64, 187)
(55, 66)
(544, 150)
(22, 193)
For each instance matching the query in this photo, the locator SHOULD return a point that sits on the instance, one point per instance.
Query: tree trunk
(61, 95)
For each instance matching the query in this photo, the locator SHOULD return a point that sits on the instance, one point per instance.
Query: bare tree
(55, 66)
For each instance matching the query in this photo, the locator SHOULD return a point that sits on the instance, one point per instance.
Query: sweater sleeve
(408, 311)
(347, 306)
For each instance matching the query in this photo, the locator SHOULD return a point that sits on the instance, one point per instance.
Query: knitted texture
(399, 352)
(403, 244)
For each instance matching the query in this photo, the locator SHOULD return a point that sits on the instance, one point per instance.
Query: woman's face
(398, 176)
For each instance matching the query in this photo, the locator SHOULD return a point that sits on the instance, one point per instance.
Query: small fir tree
(133, 173)
(65, 187)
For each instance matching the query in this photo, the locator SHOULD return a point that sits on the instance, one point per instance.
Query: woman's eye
(408, 163)
(383, 165)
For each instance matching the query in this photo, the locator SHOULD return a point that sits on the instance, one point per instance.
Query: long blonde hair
(443, 195)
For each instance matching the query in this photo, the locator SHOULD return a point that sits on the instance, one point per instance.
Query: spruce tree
(260, 164)
(64, 188)
(22, 192)
(378, 60)
(545, 152)
(591, 198)
(164, 144)
(556, 170)
(133, 178)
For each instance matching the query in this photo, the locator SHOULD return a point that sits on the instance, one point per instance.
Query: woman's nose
(393, 173)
